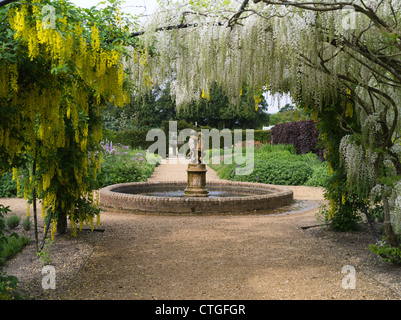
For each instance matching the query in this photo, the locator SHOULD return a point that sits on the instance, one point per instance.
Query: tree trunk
(62, 224)
(391, 237)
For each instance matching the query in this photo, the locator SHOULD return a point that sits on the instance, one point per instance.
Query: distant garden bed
(276, 164)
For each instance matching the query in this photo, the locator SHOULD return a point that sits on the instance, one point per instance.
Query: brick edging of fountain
(113, 200)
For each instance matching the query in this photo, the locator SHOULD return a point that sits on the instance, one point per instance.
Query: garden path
(220, 257)
(174, 169)
(209, 257)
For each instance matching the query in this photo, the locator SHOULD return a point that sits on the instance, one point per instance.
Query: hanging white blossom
(270, 46)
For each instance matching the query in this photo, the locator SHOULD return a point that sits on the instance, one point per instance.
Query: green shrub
(13, 244)
(377, 213)
(278, 164)
(278, 171)
(319, 176)
(302, 134)
(122, 164)
(134, 138)
(262, 136)
(386, 252)
(44, 254)
(270, 148)
(8, 287)
(8, 247)
(3, 210)
(13, 221)
(8, 186)
(27, 224)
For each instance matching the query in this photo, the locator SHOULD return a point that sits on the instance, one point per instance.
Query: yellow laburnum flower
(331, 212)
(43, 210)
(205, 95)
(15, 173)
(97, 217)
(349, 112)
(53, 229)
(95, 39)
(257, 99)
(14, 77)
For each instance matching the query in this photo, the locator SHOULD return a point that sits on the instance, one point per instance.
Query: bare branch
(236, 16)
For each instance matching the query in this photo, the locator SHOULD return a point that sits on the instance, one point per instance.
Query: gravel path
(224, 257)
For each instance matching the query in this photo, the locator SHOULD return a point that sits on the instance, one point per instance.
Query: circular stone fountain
(225, 197)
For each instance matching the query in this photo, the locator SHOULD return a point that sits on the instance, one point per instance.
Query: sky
(147, 7)
(131, 6)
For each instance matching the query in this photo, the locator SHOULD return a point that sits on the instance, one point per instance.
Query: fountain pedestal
(196, 185)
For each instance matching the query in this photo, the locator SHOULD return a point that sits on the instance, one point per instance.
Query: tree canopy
(59, 64)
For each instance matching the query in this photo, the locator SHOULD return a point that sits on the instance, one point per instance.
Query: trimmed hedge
(134, 138)
(302, 134)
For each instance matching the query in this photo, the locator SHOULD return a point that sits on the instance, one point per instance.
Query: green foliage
(44, 254)
(12, 245)
(319, 176)
(288, 114)
(262, 136)
(142, 113)
(344, 210)
(274, 148)
(281, 172)
(386, 252)
(9, 246)
(27, 224)
(276, 164)
(377, 213)
(13, 221)
(135, 138)
(149, 111)
(3, 210)
(8, 186)
(346, 218)
(218, 112)
(122, 164)
(9, 287)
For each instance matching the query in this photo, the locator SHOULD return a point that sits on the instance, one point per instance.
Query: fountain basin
(226, 197)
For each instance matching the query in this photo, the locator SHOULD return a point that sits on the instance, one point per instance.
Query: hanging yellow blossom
(349, 107)
(257, 99)
(76, 68)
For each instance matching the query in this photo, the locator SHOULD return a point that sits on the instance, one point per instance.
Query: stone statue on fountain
(196, 186)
